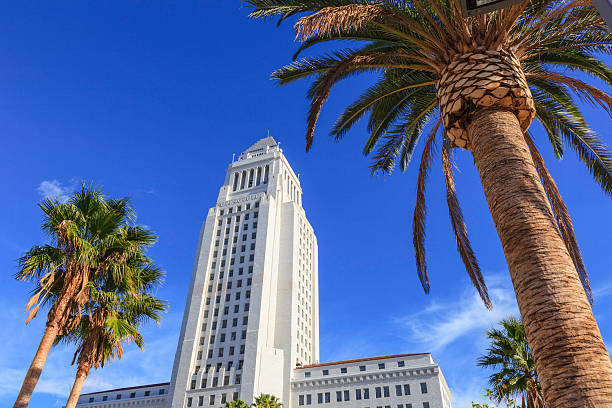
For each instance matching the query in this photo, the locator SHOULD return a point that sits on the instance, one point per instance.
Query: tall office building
(250, 325)
(252, 313)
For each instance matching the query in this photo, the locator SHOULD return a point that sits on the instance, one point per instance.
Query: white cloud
(439, 325)
(55, 189)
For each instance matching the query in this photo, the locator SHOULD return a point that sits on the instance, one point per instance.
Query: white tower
(252, 309)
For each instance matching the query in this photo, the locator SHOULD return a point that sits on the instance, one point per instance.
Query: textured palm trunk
(77, 386)
(33, 374)
(571, 360)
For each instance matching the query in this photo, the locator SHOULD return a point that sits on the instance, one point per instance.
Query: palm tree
(267, 401)
(114, 314)
(87, 244)
(236, 404)
(482, 80)
(516, 375)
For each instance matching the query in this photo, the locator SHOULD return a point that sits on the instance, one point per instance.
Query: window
(325, 372)
(361, 368)
(234, 322)
(339, 396)
(162, 391)
(320, 398)
(254, 235)
(406, 389)
(301, 400)
(327, 397)
(220, 352)
(212, 338)
(381, 366)
(240, 271)
(238, 378)
(366, 393)
(378, 392)
(118, 396)
(233, 336)
(426, 405)
(398, 390)
(242, 349)
(343, 370)
(225, 382)
(245, 321)
(236, 308)
(251, 258)
(242, 259)
(307, 374)
(248, 294)
(249, 281)
(252, 246)
(212, 400)
(231, 350)
(189, 401)
(91, 399)
(243, 334)
(244, 237)
(357, 394)
(224, 324)
(400, 363)
(105, 398)
(251, 269)
(386, 391)
(222, 337)
(147, 393)
(224, 396)
(240, 363)
(423, 388)
(346, 395)
(308, 399)
(235, 396)
(246, 307)
(200, 401)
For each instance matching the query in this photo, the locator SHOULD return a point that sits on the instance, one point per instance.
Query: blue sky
(150, 99)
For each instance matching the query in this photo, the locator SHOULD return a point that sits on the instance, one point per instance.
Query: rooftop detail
(127, 388)
(260, 147)
(359, 360)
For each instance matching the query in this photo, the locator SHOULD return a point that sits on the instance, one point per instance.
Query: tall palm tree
(85, 245)
(516, 375)
(482, 80)
(114, 315)
(236, 404)
(267, 401)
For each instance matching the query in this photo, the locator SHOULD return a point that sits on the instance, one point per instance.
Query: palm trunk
(33, 374)
(81, 375)
(571, 359)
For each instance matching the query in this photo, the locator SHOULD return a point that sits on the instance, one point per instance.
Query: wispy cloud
(56, 189)
(441, 324)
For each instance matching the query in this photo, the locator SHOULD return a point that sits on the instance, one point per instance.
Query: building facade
(250, 324)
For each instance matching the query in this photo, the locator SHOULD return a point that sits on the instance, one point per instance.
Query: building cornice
(365, 377)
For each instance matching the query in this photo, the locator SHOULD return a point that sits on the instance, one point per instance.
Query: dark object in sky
(471, 8)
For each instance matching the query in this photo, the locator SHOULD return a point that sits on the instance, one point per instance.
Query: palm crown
(510, 355)
(429, 58)
(267, 401)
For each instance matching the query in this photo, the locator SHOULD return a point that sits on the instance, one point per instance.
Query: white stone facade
(251, 321)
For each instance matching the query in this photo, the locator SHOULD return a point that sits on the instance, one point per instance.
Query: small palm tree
(482, 80)
(267, 401)
(91, 240)
(113, 315)
(516, 375)
(236, 404)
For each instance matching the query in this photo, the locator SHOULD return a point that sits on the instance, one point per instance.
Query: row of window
(239, 208)
(218, 367)
(344, 370)
(231, 273)
(380, 392)
(147, 393)
(215, 382)
(211, 399)
(251, 178)
(235, 319)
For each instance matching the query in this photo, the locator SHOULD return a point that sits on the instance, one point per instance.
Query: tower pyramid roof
(262, 144)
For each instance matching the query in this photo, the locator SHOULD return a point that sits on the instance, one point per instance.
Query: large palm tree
(480, 82)
(114, 314)
(90, 240)
(267, 401)
(515, 376)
